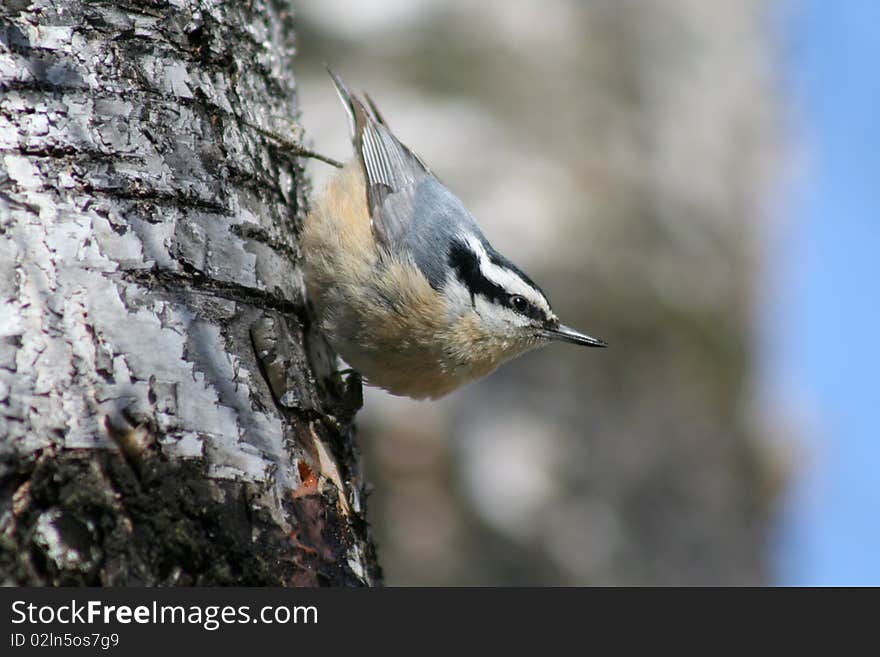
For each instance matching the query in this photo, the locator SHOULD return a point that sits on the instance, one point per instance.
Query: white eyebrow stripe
(511, 281)
(505, 278)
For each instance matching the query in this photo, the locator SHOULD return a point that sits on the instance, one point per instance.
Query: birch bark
(167, 413)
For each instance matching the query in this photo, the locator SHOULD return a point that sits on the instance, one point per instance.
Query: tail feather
(348, 101)
(375, 111)
(389, 166)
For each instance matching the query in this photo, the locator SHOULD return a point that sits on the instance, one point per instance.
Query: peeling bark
(167, 413)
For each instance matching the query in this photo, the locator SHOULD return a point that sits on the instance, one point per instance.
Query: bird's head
(511, 312)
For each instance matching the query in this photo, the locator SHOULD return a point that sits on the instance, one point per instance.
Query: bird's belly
(416, 371)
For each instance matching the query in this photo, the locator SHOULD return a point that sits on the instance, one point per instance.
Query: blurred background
(695, 182)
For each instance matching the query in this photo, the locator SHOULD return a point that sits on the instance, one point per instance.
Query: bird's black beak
(566, 334)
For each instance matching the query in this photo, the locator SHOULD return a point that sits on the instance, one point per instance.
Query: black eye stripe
(522, 305)
(466, 264)
(497, 259)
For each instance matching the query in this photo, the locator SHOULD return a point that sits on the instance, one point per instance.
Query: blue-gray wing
(392, 171)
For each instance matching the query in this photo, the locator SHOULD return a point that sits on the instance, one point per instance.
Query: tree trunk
(167, 413)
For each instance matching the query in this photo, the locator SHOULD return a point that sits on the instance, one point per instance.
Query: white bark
(152, 309)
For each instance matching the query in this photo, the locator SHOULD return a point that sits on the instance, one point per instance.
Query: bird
(404, 284)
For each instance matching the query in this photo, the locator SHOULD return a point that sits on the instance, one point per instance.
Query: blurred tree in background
(620, 152)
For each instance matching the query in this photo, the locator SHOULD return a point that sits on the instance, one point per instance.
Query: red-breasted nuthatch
(408, 290)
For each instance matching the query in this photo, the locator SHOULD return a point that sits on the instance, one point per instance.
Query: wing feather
(392, 171)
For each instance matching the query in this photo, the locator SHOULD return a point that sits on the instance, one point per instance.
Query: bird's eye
(519, 303)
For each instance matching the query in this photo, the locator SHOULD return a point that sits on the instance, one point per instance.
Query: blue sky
(826, 333)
